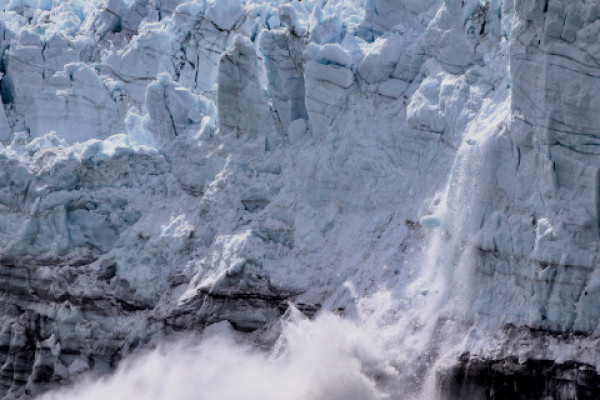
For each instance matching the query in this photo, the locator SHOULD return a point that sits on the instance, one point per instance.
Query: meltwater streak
(449, 258)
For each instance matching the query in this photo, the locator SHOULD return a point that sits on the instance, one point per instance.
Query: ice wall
(169, 165)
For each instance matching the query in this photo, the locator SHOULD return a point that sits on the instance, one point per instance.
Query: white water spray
(328, 358)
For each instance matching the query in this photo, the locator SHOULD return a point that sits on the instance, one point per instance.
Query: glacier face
(169, 165)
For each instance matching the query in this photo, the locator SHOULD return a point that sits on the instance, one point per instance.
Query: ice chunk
(327, 85)
(199, 59)
(430, 222)
(170, 106)
(331, 53)
(440, 99)
(294, 18)
(297, 131)
(285, 81)
(61, 222)
(136, 132)
(224, 13)
(15, 4)
(423, 112)
(332, 74)
(186, 15)
(5, 130)
(75, 103)
(382, 15)
(380, 60)
(326, 28)
(241, 104)
(72, 94)
(47, 141)
(109, 19)
(393, 88)
(147, 55)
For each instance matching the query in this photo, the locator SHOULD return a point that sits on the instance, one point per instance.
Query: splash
(328, 358)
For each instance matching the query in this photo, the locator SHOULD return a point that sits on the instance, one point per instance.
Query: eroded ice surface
(167, 165)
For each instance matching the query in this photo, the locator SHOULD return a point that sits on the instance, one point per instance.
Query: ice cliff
(168, 166)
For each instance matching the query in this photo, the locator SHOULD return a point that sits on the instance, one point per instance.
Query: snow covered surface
(431, 167)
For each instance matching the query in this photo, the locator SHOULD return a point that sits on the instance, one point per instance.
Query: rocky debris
(474, 378)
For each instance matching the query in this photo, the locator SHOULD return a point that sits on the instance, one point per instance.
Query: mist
(327, 358)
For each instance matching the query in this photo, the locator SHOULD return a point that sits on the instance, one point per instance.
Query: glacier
(401, 194)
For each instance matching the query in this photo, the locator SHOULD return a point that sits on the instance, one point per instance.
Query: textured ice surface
(224, 13)
(169, 165)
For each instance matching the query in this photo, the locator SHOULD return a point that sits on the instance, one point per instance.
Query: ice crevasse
(172, 166)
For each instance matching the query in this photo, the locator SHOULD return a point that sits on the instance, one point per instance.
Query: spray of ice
(326, 358)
